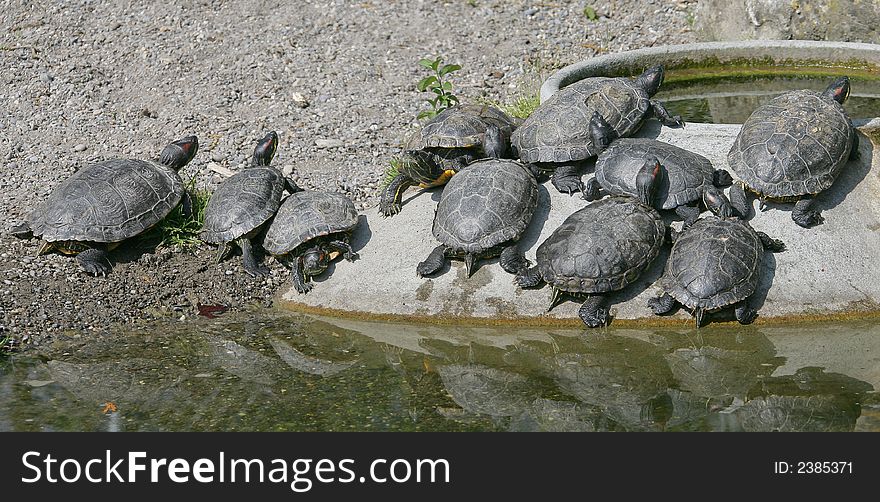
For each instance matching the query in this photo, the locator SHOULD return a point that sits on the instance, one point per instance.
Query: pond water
(729, 98)
(277, 371)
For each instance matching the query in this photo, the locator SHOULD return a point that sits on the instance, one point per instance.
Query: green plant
(443, 98)
(522, 106)
(391, 172)
(591, 13)
(691, 18)
(5, 344)
(177, 229)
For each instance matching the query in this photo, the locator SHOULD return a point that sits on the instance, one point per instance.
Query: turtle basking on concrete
(482, 213)
(601, 248)
(448, 142)
(103, 204)
(794, 147)
(561, 133)
(689, 181)
(307, 230)
(715, 263)
(241, 205)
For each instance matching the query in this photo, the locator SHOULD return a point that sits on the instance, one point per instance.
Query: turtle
(482, 213)
(453, 139)
(690, 177)
(103, 204)
(241, 205)
(308, 228)
(713, 264)
(601, 248)
(561, 132)
(793, 147)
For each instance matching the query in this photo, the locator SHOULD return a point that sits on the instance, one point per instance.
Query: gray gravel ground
(83, 81)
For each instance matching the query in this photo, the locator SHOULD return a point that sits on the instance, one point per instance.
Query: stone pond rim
(825, 272)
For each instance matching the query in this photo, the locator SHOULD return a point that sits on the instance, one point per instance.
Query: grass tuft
(391, 172)
(177, 230)
(522, 106)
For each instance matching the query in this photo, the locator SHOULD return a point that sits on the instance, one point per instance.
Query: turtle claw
(352, 256)
(389, 210)
(259, 272)
(808, 219)
(303, 288)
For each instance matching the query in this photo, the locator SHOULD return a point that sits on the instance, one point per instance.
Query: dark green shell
(108, 202)
(306, 215)
(559, 130)
(795, 144)
(603, 247)
(687, 173)
(242, 203)
(461, 127)
(488, 203)
(714, 263)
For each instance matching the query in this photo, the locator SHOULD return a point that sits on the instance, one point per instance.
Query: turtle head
(650, 80)
(415, 161)
(178, 154)
(494, 143)
(717, 202)
(265, 150)
(648, 180)
(838, 90)
(601, 132)
(315, 261)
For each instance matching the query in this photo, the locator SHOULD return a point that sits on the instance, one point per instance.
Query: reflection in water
(294, 373)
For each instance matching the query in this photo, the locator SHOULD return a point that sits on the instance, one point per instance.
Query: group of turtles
(106, 203)
(790, 149)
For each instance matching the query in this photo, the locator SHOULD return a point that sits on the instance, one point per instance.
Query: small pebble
(46, 78)
(79, 148)
(328, 143)
(299, 100)
(218, 157)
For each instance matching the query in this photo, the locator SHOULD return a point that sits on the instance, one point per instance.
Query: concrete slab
(827, 270)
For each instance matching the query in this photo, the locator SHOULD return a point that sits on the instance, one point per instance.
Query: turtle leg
(344, 248)
(251, 266)
(529, 278)
(689, 214)
(745, 314)
(291, 186)
(537, 172)
(567, 179)
(663, 115)
(297, 276)
(21, 231)
(223, 252)
(393, 194)
(593, 311)
(721, 178)
(804, 215)
(592, 190)
(854, 150)
(740, 201)
(186, 204)
(94, 261)
(770, 244)
(433, 262)
(662, 305)
(513, 261)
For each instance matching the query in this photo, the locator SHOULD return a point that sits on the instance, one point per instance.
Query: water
(730, 99)
(278, 371)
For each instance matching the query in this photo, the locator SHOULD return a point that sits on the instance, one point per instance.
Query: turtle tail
(469, 260)
(698, 316)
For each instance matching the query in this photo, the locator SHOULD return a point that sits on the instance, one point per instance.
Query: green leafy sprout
(178, 230)
(5, 344)
(591, 13)
(442, 89)
(391, 172)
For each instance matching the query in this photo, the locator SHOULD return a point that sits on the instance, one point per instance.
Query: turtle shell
(488, 203)
(793, 145)
(461, 127)
(559, 130)
(603, 247)
(242, 203)
(306, 215)
(108, 202)
(687, 173)
(714, 263)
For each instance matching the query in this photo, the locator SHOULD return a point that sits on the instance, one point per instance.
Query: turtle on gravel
(241, 205)
(562, 132)
(308, 229)
(601, 248)
(690, 178)
(103, 204)
(794, 147)
(448, 142)
(482, 213)
(714, 264)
